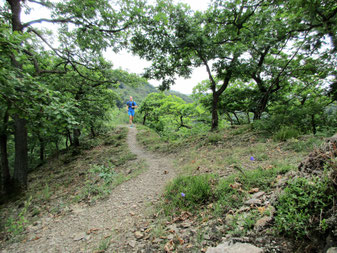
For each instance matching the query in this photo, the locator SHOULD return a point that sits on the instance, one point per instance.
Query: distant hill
(139, 93)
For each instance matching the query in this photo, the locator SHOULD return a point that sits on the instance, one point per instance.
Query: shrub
(303, 206)
(286, 133)
(188, 192)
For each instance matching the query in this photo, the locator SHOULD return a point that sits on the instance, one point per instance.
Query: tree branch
(40, 3)
(61, 20)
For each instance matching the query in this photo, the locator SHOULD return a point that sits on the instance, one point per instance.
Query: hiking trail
(86, 226)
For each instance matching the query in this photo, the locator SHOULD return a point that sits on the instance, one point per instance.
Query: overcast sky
(134, 64)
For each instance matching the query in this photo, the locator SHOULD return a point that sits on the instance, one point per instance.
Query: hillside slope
(139, 93)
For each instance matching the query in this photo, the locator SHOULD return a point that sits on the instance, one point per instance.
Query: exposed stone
(243, 209)
(261, 223)
(132, 243)
(227, 247)
(257, 195)
(253, 202)
(79, 236)
(138, 235)
(332, 250)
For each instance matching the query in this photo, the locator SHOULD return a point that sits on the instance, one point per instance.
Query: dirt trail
(86, 227)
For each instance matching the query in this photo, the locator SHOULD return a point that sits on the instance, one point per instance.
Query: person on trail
(130, 106)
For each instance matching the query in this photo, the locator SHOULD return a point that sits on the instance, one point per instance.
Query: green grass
(188, 192)
(304, 206)
(87, 175)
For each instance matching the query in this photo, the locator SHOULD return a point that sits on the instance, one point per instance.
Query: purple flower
(252, 158)
(182, 194)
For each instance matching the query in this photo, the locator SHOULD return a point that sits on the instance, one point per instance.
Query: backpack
(131, 104)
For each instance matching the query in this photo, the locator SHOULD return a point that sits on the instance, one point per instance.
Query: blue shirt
(130, 104)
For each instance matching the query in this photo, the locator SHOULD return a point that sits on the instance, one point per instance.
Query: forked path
(86, 227)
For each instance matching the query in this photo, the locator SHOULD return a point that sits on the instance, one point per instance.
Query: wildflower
(252, 158)
(183, 194)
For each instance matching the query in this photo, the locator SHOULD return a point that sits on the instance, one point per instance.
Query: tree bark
(144, 119)
(229, 118)
(76, 136)
(215, 116)
(92, 130)
(313, 124)
(69, 137)
(42, 148)
(237, 118)
(21, 144)
(21, 153)
(6, 178)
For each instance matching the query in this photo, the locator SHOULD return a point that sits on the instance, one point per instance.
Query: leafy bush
(188, 192)
(15, 226)
(286, 133)
(303, 206)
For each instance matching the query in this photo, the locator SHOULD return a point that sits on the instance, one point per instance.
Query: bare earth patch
(109, 225)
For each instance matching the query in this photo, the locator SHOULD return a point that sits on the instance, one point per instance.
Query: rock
(185, 225)
(172, 228)
(132, 243)
(244, 209)
(253, 202)
(79, 236)
(332, 250)
(157, 240)
(229, 219)
(207, 237)
(170, 236)
(261, 223)
(257, 195)
(227, 247)
(138, 235)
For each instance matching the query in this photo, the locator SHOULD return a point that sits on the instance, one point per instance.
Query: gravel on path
(86, 227)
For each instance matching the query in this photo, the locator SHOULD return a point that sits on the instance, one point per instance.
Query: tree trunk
(215, 116)
(76, 136)
(261, 107)
(229, 118)
(69, 137)
(248, 118)
(42, 148)
(21, 153)
(6, 178)
(237, 118)
(92, 130)
(21, 144)
(313, 124)
(144, 119)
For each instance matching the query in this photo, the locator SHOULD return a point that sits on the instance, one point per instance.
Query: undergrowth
(76, 176)
(220, 170)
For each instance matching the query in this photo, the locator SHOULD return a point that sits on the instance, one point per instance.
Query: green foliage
(169, 115)
(15, 226)
(228, 196)
(303, 206)
(188, 192)
(286, 133)
(104, 244)
(106, 173)
(305, 144)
